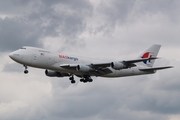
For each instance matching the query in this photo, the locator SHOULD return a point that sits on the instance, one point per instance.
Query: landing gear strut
(25, 71)
(72, 79)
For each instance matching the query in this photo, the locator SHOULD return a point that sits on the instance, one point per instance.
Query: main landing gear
(72, 79)
(26, 71)
(85, 79)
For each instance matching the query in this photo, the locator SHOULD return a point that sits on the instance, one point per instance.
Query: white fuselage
(40, 58)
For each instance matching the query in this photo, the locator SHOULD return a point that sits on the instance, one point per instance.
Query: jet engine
(117, 65)
(52, 73)
(83, 68)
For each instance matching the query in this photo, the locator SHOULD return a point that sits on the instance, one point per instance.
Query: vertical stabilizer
(149, 53)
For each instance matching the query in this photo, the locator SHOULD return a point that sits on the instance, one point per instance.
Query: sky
(110, 30)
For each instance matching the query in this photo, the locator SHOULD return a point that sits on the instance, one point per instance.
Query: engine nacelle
(117, 65)
(52, 73)
(83, 68)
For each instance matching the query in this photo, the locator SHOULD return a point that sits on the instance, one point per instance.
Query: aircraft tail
(149, 53)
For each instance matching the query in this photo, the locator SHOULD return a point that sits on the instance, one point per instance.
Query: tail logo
(147, 55)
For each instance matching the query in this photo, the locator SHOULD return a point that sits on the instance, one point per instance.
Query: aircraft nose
(11, 55)
(14, 55)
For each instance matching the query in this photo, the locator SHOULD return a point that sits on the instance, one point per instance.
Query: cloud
(114, 30)
(15, 33)
(12, 67)
(43, 20)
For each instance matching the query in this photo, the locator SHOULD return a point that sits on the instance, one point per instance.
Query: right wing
(99, 69)
(89, 69)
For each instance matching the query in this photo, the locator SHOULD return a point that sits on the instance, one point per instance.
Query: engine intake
(52, 73)
(117, 65)
(83, 68)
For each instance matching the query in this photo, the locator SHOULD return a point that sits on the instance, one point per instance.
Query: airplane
(63, 65)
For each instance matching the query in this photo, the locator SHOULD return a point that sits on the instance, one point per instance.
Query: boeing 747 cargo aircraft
(63, 65)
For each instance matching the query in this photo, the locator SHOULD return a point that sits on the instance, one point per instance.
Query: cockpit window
(44, 51)
(23, 48)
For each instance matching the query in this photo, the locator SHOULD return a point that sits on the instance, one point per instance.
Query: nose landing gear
(26, 71)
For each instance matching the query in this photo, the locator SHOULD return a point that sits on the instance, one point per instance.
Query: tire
(26, 72)
(81, 80)
(73, 81)
(90, 80)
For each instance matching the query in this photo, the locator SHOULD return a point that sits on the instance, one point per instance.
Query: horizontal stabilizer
(130, 63)
(140, 60)
(156, 68)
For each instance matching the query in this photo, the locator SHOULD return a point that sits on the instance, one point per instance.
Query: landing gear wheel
(81, 80)
(73, 81)
(85, 81)
(90, 80)
(26, 72)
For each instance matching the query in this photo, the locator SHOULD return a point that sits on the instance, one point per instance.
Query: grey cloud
(30, 28)
(143, 97)
(13, 67)
(167, 7)
(117, 10)
(60, 21)
(117, 13)
(18, 7)
(108, 99)
(15, 33)
(125, 98)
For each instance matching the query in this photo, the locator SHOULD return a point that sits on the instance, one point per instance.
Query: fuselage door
(34, 58)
